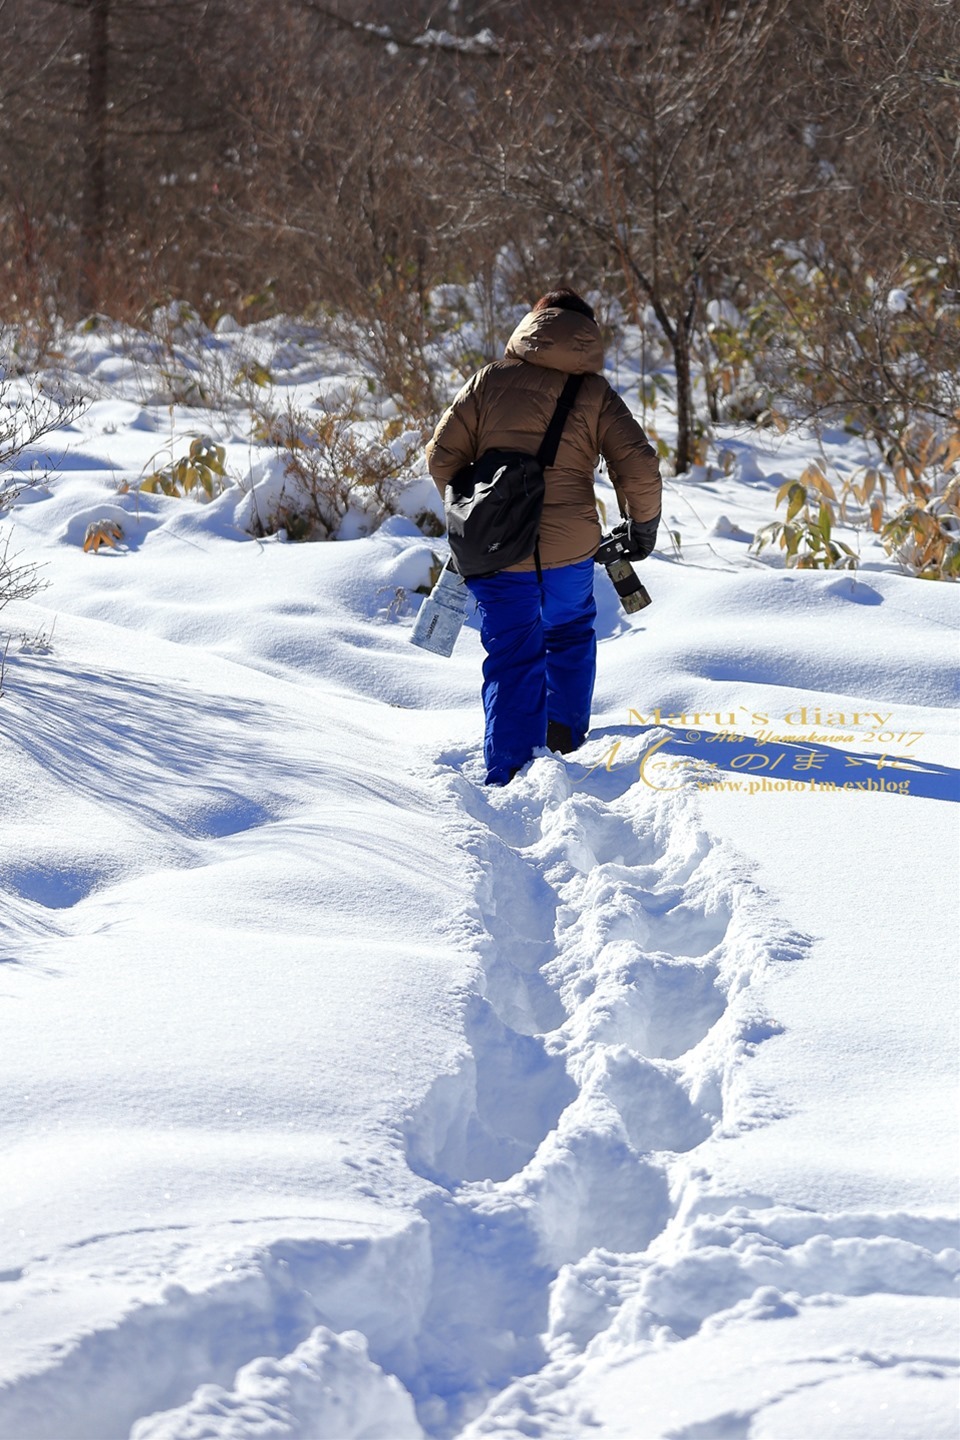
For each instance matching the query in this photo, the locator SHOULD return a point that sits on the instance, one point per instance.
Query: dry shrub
(922, 533)
(333, 464)
(27, 415)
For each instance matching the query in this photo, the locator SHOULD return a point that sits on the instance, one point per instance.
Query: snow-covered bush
(874, 351)
(330, 469)
(27, 414)
(879, 354)
(924, 532)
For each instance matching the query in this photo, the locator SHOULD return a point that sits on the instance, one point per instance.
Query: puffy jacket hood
(558, 340)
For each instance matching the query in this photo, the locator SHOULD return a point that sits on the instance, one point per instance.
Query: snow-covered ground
(347, 1099)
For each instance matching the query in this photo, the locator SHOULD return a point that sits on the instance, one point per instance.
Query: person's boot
(559, 737)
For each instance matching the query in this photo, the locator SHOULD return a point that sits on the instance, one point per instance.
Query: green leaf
(256, 373)
(796, 497)
(823, 521)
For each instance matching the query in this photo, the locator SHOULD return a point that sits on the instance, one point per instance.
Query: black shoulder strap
(547, 453)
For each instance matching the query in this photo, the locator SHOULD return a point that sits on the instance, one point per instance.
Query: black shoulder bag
(494, 504)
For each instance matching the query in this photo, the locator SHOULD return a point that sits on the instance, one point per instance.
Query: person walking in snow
(537, 629)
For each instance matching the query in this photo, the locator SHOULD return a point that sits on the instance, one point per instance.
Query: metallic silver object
(441, 616)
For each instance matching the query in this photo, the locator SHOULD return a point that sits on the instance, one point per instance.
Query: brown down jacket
(508, 405)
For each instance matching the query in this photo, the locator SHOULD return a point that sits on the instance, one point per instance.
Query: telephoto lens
(633, 595)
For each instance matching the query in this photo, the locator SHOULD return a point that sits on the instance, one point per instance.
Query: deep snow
(346, 1098)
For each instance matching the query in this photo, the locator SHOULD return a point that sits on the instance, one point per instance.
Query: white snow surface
(348, 1099)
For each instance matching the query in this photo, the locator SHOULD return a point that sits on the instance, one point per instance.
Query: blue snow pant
(541, 649)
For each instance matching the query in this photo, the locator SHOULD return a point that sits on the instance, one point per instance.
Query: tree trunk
(678, 334)
(95, 157)
(685, 413)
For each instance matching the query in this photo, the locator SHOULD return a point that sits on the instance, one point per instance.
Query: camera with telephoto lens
(612, 555)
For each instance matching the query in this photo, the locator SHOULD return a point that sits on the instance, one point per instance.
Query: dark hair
(565, 299)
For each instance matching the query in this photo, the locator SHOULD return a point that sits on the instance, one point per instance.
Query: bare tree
(870, 329)
(362, 202)
(114, 147)
(645, 148)
(885, 81)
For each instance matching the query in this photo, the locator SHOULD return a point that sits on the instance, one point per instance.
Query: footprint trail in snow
(568, 1217)
(618, 946)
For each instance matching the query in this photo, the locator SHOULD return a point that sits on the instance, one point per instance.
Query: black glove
(632, 540)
